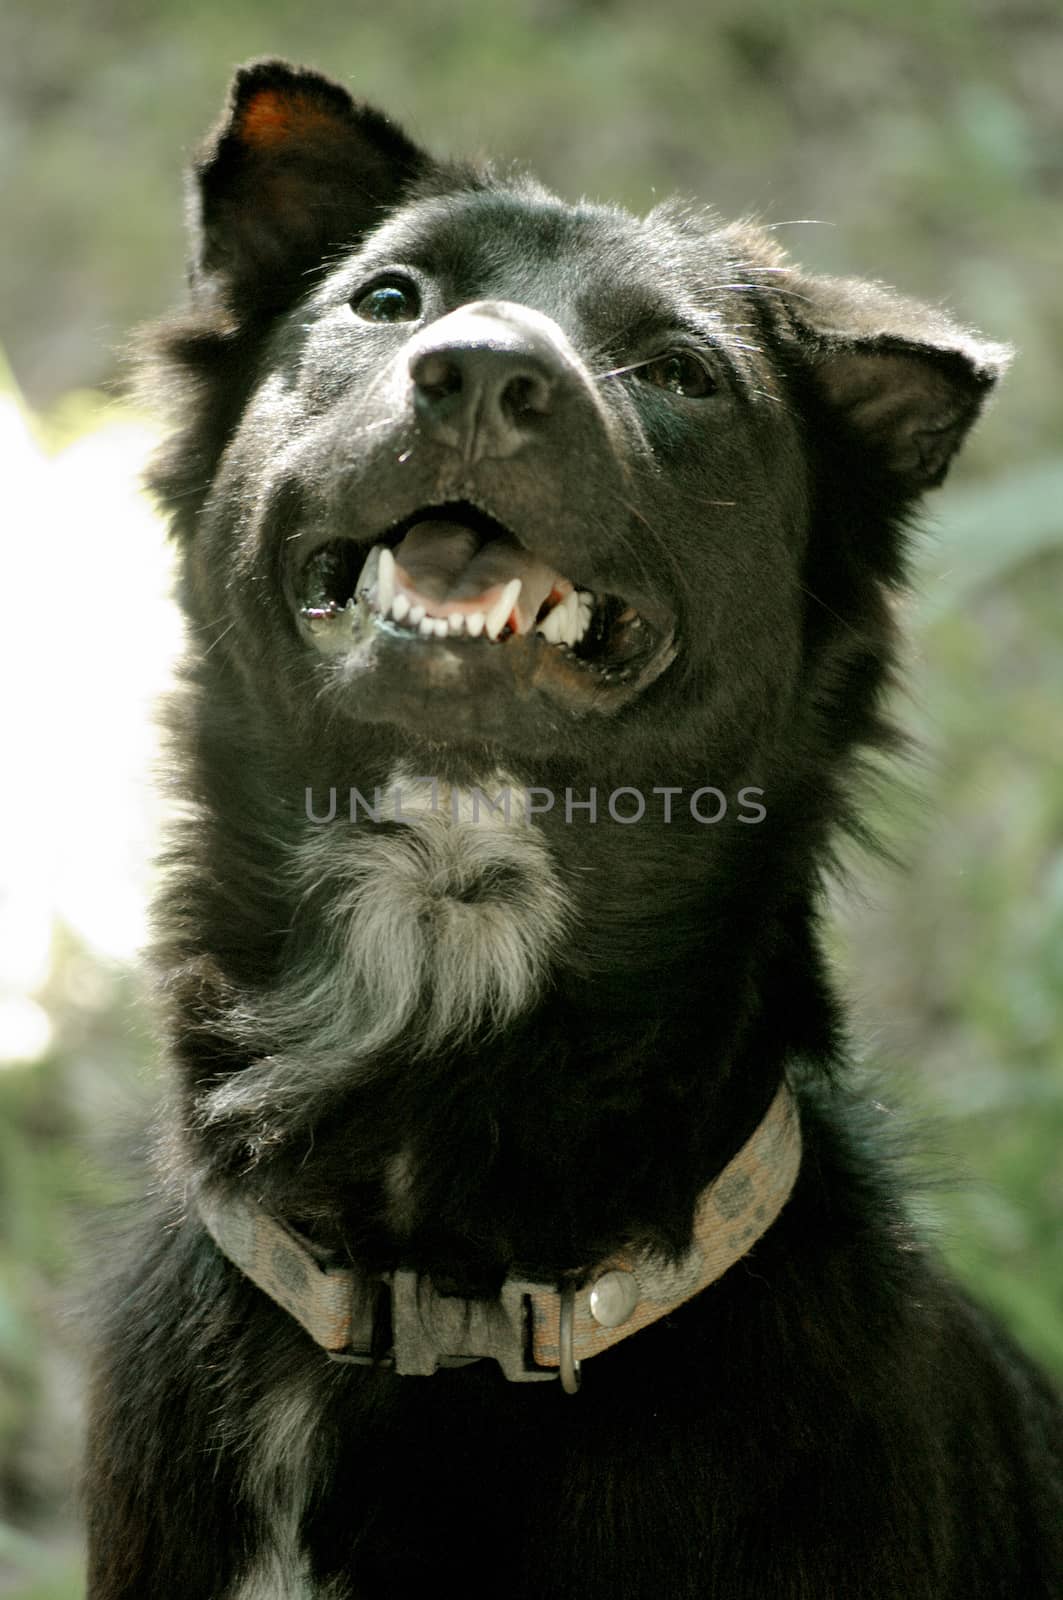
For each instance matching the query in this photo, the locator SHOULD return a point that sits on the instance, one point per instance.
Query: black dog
(539, 563)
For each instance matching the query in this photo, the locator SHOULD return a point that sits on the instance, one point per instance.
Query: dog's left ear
(294, 171)
(903, 377)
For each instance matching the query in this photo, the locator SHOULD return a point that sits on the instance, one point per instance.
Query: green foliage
(59, 1120)
(959, 956)
(31, 1569)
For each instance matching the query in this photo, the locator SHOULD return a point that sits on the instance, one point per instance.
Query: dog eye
(393, 301)
(679, 373)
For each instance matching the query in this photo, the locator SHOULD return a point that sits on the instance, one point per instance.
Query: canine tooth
(475, 623)
(499, 613)
(369, 569)
(416, 614)
(385, 581)
(399, 607)
(456, 622)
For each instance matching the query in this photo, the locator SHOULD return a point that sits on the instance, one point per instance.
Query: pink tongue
(444, 567)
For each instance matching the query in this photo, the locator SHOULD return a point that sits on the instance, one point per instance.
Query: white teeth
(385, 581)
(369, 569)
(566, 623)
(416, 617)
(499, 613)
(569, 619)
(569, 609)
(557, 625)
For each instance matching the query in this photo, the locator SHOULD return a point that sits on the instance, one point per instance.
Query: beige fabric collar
(534, 1330)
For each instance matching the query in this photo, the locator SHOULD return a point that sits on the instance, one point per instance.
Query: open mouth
(453, 572)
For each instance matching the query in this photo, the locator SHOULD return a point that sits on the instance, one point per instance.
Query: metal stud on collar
(613, 1298)
(570, 1376)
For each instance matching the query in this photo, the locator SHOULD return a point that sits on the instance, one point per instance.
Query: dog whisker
(223, 634)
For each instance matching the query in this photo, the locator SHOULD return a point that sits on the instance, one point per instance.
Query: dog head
(538, 480)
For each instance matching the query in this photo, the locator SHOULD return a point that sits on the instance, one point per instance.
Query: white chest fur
(435, 930)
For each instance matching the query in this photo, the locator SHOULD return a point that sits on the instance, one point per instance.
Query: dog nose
(484, 378)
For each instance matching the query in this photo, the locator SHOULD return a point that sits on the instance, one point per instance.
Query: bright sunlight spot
(88, 636)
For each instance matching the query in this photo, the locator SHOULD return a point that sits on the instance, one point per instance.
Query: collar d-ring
(570, 1378)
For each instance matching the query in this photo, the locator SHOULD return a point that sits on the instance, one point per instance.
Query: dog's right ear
(295, 170)
(907, 381)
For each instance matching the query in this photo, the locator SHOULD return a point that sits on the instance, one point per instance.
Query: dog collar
(534, 1331)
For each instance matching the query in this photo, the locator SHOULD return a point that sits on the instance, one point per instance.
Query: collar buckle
(415, 1332)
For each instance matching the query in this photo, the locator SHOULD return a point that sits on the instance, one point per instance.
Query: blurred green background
(921, 143)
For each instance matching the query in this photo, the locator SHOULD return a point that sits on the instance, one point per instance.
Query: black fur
(832, 1418)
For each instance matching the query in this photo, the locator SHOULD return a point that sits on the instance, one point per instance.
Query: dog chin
(520, 694)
